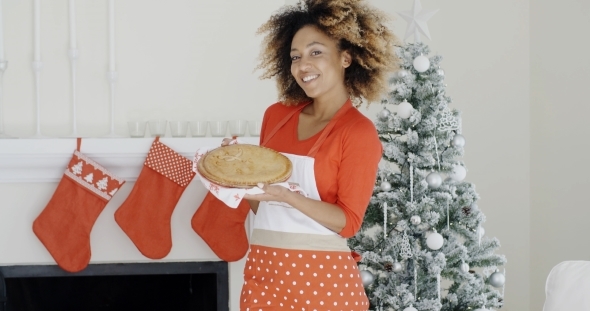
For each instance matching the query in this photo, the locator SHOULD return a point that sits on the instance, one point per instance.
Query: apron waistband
(302, 241)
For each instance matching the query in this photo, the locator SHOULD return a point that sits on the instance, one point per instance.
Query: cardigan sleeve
(361, 153)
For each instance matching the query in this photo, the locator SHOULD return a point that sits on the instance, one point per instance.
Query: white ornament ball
(410, 308)
(440, 72)
(404, 110)
(458, 173)
(384, 114)
(402, 73)
(435, 241)
(421, 63)
(474, 207)
(367, 278)
(458, 141)
(497, 279)
(397, 267)
(465, 267)
(484, 309)
(385, 186)
(434, 180)
(415, 220)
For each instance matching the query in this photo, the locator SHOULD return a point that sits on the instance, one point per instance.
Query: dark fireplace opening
(201, 286)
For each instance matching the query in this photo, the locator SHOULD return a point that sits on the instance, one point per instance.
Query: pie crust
(244, 166)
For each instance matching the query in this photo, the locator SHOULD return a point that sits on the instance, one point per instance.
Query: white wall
(195, 59)
(560, 73)
(177, 59)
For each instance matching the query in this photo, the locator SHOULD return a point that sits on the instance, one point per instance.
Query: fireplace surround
(29, 172)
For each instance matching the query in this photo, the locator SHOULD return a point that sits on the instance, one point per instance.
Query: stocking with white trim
(65, 224)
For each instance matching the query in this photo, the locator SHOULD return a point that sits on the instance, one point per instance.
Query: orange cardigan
(345, 165)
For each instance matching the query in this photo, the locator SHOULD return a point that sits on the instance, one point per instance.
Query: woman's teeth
(309, 78)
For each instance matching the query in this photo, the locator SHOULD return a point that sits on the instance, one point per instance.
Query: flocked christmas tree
(422, 240)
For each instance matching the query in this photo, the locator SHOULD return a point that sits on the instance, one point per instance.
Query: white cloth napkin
(233, 196)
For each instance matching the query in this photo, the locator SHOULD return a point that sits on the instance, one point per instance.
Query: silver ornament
(464, 267)
(385, 186)
(421, 63)
(410, 308)
(447, 122)
(497, 279)
(440, 72)
(367, 278)
(434, 180)
(404, 109)
(474, 206)
(458, 141)
(415, 220)
(402, 73)
(405, 249)
(397, 267)
(458, 173)
(384, 114)
(435, 241)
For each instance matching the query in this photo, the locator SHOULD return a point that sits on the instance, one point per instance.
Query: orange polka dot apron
(295, 263)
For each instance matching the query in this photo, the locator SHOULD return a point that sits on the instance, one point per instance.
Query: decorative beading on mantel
(44, 160)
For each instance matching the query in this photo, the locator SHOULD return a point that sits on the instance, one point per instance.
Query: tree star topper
(417, 19)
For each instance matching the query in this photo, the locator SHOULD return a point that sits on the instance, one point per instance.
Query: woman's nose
(304, 64)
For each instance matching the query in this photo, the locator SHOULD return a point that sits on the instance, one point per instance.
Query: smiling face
(317, 64)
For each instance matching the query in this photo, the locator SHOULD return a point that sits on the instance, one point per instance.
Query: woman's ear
(346, 59)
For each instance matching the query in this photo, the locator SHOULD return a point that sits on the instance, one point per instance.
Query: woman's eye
(316, 53)
(294, 58)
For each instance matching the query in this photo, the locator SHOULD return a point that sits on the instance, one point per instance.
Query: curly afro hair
(358, 29)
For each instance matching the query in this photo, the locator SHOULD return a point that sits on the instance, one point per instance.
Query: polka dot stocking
(145, 214)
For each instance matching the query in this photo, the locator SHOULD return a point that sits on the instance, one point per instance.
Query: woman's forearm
(328, 215)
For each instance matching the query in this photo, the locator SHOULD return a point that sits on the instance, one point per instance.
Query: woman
(324, 55)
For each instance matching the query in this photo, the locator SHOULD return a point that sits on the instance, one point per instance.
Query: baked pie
(244, 166)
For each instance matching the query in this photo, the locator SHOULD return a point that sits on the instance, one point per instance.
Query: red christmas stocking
(222, 227)
(145, 214)
(64, 225)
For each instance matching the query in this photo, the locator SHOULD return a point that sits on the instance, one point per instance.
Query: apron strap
(280, 124)
(316, 147)
(312, 152)
(78, 143)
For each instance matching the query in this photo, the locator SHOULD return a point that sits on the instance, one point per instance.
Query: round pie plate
(244, 166)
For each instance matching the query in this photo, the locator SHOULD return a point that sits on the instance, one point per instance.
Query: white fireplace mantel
(45, 160)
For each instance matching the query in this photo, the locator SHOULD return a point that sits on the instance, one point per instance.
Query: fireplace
(29, 172)
(175, 286)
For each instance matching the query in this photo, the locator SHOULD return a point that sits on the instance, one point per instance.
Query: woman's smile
(309, 78)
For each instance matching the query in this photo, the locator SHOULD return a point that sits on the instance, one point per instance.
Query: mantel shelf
(45, 160)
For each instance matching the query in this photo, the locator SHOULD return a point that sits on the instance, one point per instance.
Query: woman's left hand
(271, 193)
